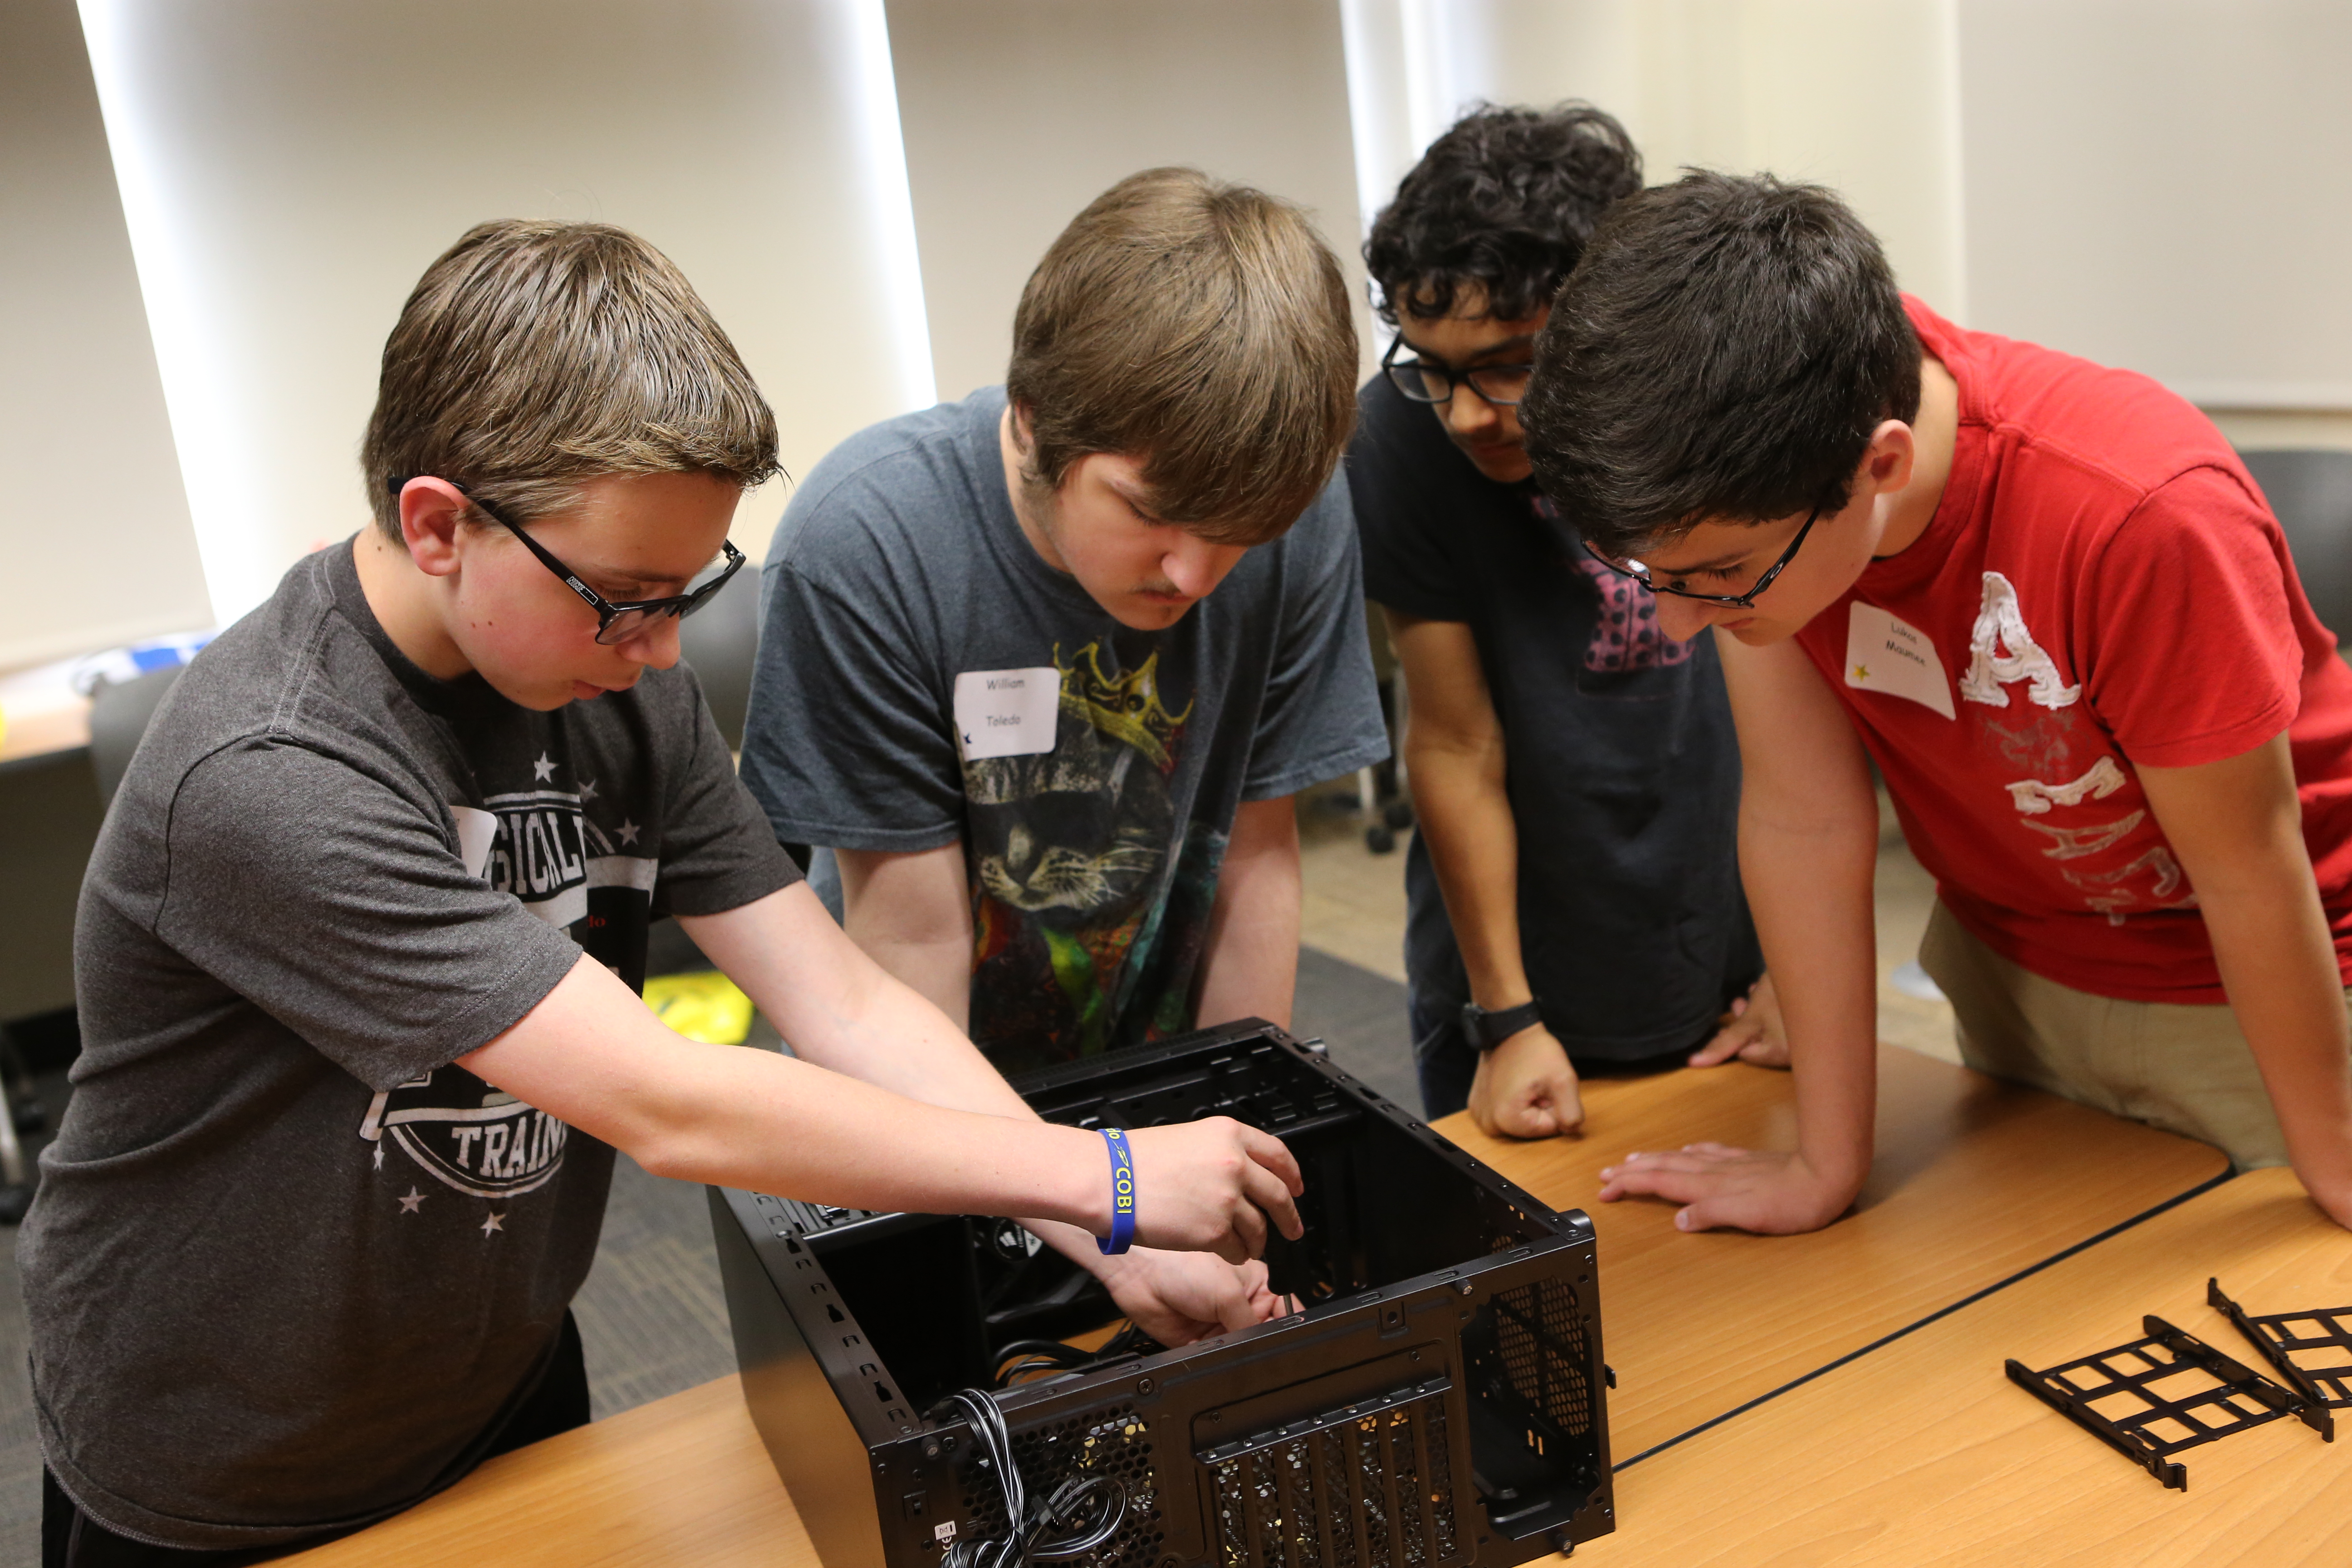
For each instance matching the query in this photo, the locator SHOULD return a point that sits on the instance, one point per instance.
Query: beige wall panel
(94, 530)
(292, 167)
(2167, 185)
(1018, 112)
(1859, 94)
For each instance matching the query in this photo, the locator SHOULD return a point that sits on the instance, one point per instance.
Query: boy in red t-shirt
(2047, 599)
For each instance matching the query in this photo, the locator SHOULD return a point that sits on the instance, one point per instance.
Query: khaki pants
(2186, 1069)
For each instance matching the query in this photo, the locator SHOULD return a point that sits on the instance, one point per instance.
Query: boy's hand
(1180, 1297)
(1770, 1194)
(1211, 1186)
(1524, 1088)
(1752, 1031)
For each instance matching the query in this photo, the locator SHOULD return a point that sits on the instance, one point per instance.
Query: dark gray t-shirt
(288, 1263)
(1092, 846)
(1623, 771)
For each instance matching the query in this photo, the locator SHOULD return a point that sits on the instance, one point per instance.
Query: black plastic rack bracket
(2280, 1335)
(2238, 1398)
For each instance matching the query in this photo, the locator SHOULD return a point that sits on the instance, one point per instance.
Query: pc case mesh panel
(1112, 1442)
(1353, 1491)
(1540, 1329)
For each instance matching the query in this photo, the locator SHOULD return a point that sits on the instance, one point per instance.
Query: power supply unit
(1439, 1400)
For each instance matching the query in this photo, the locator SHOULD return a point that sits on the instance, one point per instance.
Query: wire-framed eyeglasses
(1425, 381)
(630, 618)
(1640, 573)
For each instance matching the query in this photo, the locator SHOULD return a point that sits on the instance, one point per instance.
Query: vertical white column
(289, 169)
(885, 163)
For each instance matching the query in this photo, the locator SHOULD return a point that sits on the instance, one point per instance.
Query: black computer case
(1439, 1402)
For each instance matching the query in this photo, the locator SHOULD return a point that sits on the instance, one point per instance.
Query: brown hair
(535, 356)
(1203, 328)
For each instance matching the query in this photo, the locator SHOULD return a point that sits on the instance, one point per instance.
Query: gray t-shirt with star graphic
(289, 1263)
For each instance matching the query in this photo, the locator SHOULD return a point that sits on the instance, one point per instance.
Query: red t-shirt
(2102, 583)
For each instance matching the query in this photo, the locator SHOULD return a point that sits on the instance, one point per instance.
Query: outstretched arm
(1454, 747)
(1250, 969)
(888, 1107)
(912, 914)
(1808, 846)
(2236, 827)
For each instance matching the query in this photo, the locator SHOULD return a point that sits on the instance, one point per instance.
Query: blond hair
(535, 356)
(1201, 328)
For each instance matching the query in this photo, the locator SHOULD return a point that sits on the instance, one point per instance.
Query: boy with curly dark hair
(1573, 899)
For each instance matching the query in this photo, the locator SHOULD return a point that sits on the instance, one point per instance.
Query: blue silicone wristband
(1122, 1194)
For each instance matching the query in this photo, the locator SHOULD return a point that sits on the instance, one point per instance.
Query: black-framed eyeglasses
(1500, 384)
(1640, 573)
(617, 623)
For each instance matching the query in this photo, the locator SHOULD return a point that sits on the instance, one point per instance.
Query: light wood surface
(1975, 1181)
(683, 1480)
(1923, 1454)
(40, 713)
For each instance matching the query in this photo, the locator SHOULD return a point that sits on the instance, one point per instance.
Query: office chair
(2311, 491)
(719, 641)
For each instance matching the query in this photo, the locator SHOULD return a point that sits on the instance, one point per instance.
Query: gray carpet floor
(652, 1316)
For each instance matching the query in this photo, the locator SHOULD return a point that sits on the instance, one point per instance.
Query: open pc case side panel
(1440, 1403)
(817, 1449)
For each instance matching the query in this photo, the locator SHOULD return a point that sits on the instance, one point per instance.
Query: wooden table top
(1923, 1454)
(1975, 1181)
(683, 1480)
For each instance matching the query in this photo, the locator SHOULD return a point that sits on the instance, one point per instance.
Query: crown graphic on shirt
(1124, 707)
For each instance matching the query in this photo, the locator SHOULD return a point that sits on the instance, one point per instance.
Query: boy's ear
(1887, 464)
(432, 511)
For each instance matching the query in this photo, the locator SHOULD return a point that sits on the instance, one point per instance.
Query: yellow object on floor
(704, 1006)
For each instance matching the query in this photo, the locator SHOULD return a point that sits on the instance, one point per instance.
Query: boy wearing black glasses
(358, 949)
(1574, 900)
(2049, 602)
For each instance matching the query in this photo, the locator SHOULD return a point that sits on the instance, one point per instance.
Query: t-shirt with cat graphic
(2101, 586)
(1623, 773)
(289, 1264)
(925, 677)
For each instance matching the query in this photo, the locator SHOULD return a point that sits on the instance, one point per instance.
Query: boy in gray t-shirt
(1054, 769)
(357, 949)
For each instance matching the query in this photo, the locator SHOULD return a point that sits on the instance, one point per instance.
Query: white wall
(1861, 95)
(1018, 112)
(2168, 185)
(289, 168)
(93, 524)
(2163, 183)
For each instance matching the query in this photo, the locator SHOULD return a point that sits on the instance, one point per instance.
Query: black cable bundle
(1026, 1539)
(1018, 1358)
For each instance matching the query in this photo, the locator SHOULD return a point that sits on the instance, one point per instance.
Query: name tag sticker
(1007, 712)
(1895, 658)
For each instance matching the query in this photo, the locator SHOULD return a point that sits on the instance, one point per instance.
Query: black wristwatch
(1486, 1031)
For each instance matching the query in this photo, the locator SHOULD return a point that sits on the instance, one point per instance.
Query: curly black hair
(1504, 200)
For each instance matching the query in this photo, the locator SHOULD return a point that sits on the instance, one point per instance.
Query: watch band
(1486, 1031)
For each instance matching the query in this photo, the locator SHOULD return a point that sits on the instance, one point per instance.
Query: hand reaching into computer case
(1212, 1185)
(1180, 1297)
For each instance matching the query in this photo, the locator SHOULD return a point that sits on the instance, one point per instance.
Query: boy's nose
(1467, 413)
(1680, 619)
(656, 645)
